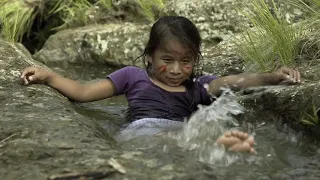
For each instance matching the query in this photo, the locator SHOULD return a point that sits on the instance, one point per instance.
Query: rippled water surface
(282, 153)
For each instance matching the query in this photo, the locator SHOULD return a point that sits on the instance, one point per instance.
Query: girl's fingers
(25, 81)
(293, 74)
(29, 70)
(31, 78)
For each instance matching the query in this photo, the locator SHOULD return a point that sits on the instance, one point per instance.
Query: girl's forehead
(174, 46)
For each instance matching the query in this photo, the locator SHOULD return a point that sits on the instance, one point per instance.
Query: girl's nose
(176, 68)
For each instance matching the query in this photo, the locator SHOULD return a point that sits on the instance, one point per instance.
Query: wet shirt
(147, 100)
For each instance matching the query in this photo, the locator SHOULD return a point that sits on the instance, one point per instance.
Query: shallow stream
(282, 153)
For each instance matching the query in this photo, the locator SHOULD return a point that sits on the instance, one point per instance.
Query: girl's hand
(32, 75)
(285, 75)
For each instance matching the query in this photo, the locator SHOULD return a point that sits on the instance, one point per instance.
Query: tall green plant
(17, 18)
(272, 42)
(310, 48)
(71, 12)
(149, 5)
(8, 32)
(106, 3)
(312, 118)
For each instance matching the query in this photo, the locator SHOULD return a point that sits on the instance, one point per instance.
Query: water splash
(206, 125)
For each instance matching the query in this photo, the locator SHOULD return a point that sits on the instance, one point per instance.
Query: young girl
(167, 91)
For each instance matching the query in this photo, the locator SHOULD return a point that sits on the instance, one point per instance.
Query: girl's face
(172, 63)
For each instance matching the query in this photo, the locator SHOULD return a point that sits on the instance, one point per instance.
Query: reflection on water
(281, 155)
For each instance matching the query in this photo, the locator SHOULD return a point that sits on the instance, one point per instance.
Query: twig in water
(86, 175)
(116, 165)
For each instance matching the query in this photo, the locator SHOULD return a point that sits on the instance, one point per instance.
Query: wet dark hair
(175, 27)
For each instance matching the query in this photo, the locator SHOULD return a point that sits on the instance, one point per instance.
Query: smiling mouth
(174, 79)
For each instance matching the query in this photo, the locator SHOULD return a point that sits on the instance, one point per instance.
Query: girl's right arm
(72, 89)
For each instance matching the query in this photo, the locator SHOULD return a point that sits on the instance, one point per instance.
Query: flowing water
(282, 153)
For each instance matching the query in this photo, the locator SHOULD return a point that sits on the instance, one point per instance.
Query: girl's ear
(149, 59)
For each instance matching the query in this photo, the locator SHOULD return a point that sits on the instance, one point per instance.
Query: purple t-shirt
(147, 100)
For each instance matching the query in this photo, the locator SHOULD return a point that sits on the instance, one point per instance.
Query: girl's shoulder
(133, 69)
(205, 79)
(130, 71)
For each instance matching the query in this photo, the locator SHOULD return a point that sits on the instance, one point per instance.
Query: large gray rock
(121, 44)
(112, 44)
(216, 20)
(39, 128)
(222, 59)
(42, 135)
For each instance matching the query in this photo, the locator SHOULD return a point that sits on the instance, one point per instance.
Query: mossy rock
(283, 104)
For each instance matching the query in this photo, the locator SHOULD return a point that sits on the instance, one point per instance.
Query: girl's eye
(185, 61)
(167, 59)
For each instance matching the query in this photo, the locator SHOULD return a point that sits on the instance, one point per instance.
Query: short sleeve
(122, 79)
(202, 82)
(205, 79)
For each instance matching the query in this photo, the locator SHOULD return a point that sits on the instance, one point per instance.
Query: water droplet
(206, 86)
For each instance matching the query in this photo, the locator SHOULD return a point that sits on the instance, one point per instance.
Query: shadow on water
(281, 154)
(109, 113)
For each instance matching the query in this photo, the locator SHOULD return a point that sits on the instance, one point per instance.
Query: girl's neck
(160, 84)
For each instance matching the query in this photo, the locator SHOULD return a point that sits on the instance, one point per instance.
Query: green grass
(309, 114)
(9, 33)
(310, 47)
(72, 12)
(272, 42)
(17, 18)
(149, 5)
(311, 119)
(106, 3)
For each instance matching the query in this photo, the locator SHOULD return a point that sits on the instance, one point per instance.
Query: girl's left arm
(283, 75)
